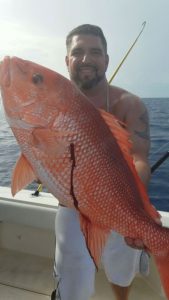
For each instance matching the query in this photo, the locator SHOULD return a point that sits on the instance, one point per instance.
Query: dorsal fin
(122, 137)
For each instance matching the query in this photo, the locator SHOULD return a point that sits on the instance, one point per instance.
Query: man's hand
(137, 243)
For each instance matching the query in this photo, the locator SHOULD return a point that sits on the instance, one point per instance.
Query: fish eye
(37, 78)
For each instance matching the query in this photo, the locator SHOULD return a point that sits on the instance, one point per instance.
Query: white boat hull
(27, 244)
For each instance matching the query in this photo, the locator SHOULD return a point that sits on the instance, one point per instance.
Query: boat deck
(29, 277)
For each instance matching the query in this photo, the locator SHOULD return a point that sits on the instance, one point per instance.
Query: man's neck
(98, 94)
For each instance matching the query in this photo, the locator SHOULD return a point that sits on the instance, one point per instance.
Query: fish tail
(162, 262)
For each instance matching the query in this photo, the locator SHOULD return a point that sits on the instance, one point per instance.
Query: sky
(36, 30)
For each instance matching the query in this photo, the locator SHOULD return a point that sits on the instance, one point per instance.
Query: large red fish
(82, 155)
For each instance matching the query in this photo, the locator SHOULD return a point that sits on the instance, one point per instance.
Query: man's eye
(76, 52)
(96, 52)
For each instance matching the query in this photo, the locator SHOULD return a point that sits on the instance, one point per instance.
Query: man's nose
(86, 58)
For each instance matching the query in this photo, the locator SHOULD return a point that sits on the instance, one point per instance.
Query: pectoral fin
(23, 175)
(49, 141)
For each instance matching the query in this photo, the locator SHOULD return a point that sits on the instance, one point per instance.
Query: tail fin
(162, 263)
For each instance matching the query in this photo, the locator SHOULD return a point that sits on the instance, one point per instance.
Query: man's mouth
(87, 68)
(87, 71)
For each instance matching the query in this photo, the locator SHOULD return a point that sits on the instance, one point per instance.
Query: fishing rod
(38, 190)
(161, 159)
(159, 162)
(124, 58)
(166, 155)
(153, 168)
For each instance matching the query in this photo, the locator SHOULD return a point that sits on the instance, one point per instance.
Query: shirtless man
(87, 61)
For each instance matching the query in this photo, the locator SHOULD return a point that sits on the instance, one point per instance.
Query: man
(87, 61)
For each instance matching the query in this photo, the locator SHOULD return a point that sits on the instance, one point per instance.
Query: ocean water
(159, 129)
(159, 125)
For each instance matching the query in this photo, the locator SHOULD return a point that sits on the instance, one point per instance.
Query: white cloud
(16, 40)
(36, 30)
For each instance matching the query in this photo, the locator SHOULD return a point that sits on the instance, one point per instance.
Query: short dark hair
(86, 29)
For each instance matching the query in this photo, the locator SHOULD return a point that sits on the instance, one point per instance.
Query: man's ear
(67, 61)
(107, 61)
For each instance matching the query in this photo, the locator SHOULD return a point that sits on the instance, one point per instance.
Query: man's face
(86, 61)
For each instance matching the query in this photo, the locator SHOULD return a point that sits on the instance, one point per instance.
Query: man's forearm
(144, 171)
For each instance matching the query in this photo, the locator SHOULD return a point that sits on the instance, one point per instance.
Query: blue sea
(159, 125)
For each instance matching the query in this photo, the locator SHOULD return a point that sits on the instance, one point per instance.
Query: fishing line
(124, 58)
(165, 156)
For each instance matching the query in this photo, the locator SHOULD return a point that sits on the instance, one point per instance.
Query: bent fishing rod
(166, 155)
(159, 162)
(124, 58)
(153, 168)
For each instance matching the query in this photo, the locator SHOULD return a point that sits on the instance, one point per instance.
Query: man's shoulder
(125, 105)
(125, 97)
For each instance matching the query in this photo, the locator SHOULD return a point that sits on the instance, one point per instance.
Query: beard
(86, 82)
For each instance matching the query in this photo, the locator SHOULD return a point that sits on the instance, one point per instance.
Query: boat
(27, 245)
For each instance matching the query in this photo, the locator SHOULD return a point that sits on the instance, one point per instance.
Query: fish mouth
(5, 78)
(6, 67)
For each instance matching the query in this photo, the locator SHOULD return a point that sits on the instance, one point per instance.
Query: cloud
(17, 40)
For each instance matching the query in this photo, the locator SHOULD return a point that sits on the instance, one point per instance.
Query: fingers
(135, 243)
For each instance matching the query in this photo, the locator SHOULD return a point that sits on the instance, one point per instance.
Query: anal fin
(95, 238)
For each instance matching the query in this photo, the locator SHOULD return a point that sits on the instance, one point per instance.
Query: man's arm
(137, 121)
(138, 126)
